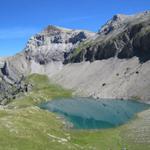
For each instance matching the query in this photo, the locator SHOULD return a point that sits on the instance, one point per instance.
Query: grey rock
(123, 37)
(53, 43)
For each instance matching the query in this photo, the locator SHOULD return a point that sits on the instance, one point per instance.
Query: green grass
(29, 128)
(24, 126)
(42, 91)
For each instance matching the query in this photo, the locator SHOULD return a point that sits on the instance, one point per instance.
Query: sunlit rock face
(46, 52)
(52, 44)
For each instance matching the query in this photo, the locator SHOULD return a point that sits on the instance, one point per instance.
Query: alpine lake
(89, 113)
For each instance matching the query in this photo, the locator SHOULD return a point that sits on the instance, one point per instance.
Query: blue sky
(19, 19)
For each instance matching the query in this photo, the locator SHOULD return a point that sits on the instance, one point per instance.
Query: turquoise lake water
(88, 113)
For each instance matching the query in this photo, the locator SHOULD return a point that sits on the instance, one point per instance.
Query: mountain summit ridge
(122, 37)
(53, 42)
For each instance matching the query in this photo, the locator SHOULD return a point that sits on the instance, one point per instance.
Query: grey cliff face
(116, 22)
(123, 37)
(12, 82)
(52, 44)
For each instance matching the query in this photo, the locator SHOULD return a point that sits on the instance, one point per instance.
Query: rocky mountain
(44, 53)
(113, 63)
(122, 37)
(52, 43)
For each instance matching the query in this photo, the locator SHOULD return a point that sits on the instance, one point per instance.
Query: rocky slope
(113, 63)
(110, 78)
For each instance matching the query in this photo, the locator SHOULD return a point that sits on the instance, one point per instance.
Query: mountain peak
(119, 17)
(53, 43)
(120, 20)
(114, 23)
(52, 28)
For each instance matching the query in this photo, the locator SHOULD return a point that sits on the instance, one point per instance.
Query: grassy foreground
(24, 126)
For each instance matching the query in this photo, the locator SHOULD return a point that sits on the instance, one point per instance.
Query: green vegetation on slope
(24, 126)
(82, 46)
(42, 90)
